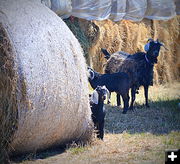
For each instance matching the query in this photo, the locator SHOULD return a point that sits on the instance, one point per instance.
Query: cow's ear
(94, 97)
(91, 74)
(146, 47)
(150, 40)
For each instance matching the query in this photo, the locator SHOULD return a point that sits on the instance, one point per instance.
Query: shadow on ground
(38, 155)
(161, 118)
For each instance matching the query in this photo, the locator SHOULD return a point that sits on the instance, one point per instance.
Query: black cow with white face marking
(97, 107)
(138, 66)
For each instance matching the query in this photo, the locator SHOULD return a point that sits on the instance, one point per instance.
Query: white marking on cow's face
(106, 92)
(104, 87)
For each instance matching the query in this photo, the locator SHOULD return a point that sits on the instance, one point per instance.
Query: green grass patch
(76, 148)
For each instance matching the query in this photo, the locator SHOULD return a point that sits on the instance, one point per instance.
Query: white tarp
(91, 9)
(177, 4)
(116, 10)
(160, 9)
(135, 10)
(62, 7)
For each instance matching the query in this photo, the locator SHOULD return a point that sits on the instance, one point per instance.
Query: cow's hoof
(124, 112)
(147, 106)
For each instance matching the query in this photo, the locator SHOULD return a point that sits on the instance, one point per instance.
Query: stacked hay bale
(131, 37)
(43, 82)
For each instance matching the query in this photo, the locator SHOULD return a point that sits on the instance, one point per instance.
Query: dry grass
(137, 137)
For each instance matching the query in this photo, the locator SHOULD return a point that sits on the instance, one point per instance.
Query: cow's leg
(125, 98)
(109, 98)
(133, 97)
(146, 87)
(101, 130)
(118, 98)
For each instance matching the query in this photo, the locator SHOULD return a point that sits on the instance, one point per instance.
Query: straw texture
(131, 37)
(49, 88)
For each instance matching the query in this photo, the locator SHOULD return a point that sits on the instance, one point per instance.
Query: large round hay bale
(43, 82)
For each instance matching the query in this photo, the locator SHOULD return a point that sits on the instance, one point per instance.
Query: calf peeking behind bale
(138, 66)
(97, 107)
(116, 82)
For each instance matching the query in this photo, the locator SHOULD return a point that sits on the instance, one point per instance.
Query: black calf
(98, 110)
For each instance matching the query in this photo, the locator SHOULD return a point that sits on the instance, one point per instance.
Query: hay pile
(43, 83)
(132, 36)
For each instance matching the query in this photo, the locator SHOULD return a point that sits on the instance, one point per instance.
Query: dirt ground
(139, 137)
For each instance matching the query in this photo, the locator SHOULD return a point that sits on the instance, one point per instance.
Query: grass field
(139, 137)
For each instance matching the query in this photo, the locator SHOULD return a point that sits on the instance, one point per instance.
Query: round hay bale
(43, 82)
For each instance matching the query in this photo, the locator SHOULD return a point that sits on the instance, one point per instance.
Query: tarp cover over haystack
(115, 10)
(43, 82)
